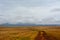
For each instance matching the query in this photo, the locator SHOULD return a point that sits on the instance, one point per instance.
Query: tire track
(42, 35)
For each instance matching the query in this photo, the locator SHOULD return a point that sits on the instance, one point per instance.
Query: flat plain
(28, 32)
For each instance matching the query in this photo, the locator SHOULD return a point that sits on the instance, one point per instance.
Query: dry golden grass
(27, 33)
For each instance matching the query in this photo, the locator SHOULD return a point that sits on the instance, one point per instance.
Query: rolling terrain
(30, 33)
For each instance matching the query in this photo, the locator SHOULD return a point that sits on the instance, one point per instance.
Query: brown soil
(43, 36)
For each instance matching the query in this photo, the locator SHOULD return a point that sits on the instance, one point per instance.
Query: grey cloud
(56, 10)
(28, 2)
(28, 11)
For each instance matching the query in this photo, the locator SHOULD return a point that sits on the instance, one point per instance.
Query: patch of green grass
(25, 38)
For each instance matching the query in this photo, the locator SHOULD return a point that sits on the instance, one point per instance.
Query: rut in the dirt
(42, 35)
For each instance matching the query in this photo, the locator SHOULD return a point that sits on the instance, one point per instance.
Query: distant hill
(18, 24)
(28, 24)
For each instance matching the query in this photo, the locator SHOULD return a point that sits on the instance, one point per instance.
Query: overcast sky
(30, 11)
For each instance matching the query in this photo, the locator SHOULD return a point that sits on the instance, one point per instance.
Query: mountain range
(28, 24)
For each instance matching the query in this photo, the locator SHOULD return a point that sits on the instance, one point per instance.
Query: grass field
(27, 33)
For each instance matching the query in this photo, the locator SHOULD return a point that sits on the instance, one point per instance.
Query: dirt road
(42, 35)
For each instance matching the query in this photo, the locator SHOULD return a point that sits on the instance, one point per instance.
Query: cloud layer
(30, 11)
